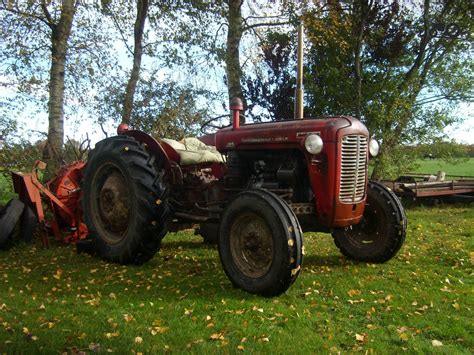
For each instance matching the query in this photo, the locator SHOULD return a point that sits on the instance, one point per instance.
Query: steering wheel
(209, 123)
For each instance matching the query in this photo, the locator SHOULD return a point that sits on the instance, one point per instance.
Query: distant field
(461, 168)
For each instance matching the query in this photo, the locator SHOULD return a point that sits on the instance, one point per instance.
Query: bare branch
(101, 124)
(269, 24)
(117, 25)
(26, 14)
(46, 13)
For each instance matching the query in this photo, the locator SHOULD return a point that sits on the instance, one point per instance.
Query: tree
(388, 63)
(55, 55)
(270, 91)
(232, 57)
(57, 19)
(142, 7)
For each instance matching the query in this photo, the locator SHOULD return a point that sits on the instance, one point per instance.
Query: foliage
(53, 300)
(385, 62)
(272, 88)
(31, 34)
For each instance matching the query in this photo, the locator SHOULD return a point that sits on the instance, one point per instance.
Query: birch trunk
(60, 33)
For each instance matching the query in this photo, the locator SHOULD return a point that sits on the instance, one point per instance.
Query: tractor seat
(193, 151)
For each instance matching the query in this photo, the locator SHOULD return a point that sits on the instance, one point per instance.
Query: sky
(79, 127)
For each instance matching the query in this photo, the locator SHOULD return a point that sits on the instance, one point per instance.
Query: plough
(61, 195)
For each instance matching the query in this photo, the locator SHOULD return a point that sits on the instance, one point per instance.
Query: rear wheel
(260, 243)
(124, 201)
(380, 234)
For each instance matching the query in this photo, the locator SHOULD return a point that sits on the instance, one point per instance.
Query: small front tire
(260, 243)
(380, 234)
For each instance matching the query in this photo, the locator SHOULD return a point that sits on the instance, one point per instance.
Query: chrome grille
(353, 168)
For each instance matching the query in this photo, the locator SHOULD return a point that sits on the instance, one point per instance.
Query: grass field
(421, 301)
(462, 167)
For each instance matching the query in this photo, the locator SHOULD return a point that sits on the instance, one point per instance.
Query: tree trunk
(232, 60)
(60, 33)
(142, 10)
(362, 7)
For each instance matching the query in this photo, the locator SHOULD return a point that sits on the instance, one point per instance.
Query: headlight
(313, 144)
(374, 148)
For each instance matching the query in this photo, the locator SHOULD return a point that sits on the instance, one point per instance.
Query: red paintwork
(62, 194)
(324, 168)
(236, 106)
(122, 128)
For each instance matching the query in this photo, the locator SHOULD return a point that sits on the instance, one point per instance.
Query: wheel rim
(251, 245)
(367, 233)
(112, 203)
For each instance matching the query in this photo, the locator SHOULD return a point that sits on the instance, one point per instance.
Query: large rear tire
(124, 201)
(380, 234)
(260, 243)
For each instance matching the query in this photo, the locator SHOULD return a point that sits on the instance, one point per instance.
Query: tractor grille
(353, 168)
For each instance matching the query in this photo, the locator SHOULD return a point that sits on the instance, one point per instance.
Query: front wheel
(260, 243)
(124, 201)
(380, 234)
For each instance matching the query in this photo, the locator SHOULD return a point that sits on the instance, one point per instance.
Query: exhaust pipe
(299, 76)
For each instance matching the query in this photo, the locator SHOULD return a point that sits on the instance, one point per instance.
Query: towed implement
(61, 195)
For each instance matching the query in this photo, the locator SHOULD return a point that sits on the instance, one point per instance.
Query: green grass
(55, 300)
(462, 167)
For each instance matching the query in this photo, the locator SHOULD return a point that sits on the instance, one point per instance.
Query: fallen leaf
(217, 336)
(94, 347)
(112, 335)
(188, 312)
(436, 343)
(363, 338)
(58, 274)
(353, 293)
(138, 340)
(404, 337)
(128, 318)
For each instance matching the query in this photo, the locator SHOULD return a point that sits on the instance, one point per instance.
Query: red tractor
(253, 189)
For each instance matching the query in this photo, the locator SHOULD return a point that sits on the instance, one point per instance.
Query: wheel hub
(251, 245)
(114, 206)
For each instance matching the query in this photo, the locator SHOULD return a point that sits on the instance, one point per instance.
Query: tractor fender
(169, 156)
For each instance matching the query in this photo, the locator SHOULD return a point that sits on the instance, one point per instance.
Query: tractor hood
(282, 134)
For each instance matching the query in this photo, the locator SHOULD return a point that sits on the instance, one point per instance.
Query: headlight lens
(313, 144)
(374, 148)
